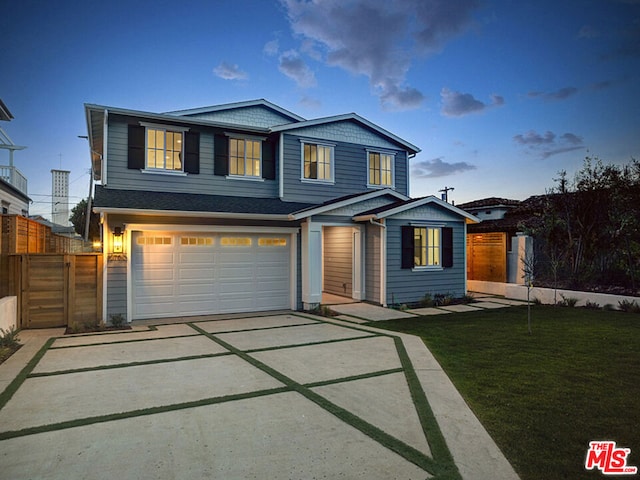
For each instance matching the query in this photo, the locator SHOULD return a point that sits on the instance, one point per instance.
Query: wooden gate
(56, 290)
(487, 256)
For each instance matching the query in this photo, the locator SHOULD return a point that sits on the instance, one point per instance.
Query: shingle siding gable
(247, 116)
(345, 131)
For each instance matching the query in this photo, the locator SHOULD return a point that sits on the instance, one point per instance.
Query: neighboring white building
(60, 197)
(13, 184)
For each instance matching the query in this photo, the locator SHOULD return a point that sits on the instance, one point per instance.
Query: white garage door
(183, 274)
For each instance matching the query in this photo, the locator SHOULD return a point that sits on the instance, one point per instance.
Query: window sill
(381, 187)
(317, 182)
(434, 268)
(174, 173)
(245, 178)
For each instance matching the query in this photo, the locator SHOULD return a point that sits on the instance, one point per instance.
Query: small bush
(608, 307)
(592, 305)
(427, 300)
(468, 299)
(117, 320)
(442, 299)
(9, 338)
(536, 301)
(629, 306)
(567, 301)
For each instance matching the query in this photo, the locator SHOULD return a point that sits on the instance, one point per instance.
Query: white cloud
(295, 68)
(457, 104)
(438, 168)
(229, 71)
(271, 48)
(378, 38)
(549, 144)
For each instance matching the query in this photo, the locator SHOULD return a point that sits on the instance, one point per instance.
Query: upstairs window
(380, 169)
(159, 149)
(244, 157)
(317, 162)
(164, 149)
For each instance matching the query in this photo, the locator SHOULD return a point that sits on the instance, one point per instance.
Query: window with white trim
(244, 157)
(164, 149)
(380, 169)
(426, 244)
(317, 162)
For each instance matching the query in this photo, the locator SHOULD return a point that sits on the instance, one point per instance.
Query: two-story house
(249, 207)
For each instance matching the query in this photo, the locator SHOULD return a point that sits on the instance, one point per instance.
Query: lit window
(196, 241)
(426, 244)
(164, 149)
(380, 169)
(154, 241)
(235, 241)
(318, 162)
(272, 242)
(244, 157)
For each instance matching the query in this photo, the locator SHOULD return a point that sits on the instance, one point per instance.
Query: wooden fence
(23, 235)
(55, 290)
(487, 256)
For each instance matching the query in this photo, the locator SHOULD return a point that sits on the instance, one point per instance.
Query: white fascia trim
(105, 139)
(156, 227)
(418, 203)
(171, 213)
(332, 206)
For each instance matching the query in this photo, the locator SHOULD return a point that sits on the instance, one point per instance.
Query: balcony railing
(14, 177)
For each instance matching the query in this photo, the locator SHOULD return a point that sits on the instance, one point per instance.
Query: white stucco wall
(546, 295)
(8, 312)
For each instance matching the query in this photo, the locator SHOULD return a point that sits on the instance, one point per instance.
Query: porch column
(311, 264)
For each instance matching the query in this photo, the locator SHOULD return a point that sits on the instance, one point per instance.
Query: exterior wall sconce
(117, 240)
(116, 252)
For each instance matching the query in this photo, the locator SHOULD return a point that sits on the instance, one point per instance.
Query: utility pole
(445, 194)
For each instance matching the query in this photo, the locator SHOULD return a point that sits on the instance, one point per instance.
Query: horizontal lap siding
(338, 260)
(116, 288)
(119, 176)
(350, 172)
(407, 286)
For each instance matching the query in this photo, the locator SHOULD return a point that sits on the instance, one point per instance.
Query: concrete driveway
(287, 396)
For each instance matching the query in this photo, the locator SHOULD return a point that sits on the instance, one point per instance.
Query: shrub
(567, 301)
(630, 306)
(427, 300)
(592, 305)
(117, 320)
(442, 299)
(9, 338)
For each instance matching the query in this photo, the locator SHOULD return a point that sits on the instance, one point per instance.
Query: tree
(78, 219)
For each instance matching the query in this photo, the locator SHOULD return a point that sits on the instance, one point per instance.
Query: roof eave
(344, 203)
(191, 214)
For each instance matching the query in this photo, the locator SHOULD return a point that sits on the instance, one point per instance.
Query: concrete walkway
(280, 396)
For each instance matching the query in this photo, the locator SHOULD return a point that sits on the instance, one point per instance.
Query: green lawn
(543, 397)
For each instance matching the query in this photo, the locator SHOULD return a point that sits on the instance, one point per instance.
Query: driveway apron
(287, 396)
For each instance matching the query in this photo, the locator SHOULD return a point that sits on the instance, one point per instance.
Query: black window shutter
(136, 147)
(221, 150)
(447, 247)
(269, 160)
(408, 260)
(192, 152)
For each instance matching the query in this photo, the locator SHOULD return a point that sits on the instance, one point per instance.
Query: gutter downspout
(281, 165)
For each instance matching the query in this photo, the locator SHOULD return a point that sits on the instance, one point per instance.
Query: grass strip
(257, 329)
(133, 340)
(125, 365)
(406, 451)
(437, 443)
(352, 378)
(310, 344)
(138, 413)
(13, 387)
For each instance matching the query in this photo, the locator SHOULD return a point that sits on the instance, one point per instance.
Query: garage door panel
(154, 275)
(195, 274)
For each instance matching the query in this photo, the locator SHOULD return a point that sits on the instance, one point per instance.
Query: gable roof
(5, 114)
(493, 202)
(110, 200)
(402, 206)
(354, 117)
(344, 202)
(231, 106)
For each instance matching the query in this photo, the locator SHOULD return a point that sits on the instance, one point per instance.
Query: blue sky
(499, 95)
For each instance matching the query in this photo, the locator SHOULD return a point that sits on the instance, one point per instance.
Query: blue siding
(407, 286)
(119, 176)
(350, 172)
(116, 289)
